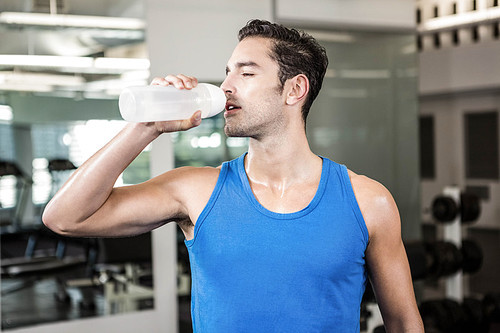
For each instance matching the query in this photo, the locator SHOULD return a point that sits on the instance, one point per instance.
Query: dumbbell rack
(452, 232)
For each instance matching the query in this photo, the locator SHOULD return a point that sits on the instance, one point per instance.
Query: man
(280, 239)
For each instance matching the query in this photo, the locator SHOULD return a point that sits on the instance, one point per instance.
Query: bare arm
(89, 205)
(386, 258)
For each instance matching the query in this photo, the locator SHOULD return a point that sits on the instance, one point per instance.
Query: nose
(227, 86)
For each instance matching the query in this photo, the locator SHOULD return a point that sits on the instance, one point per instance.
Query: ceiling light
(71, 21)
(41, 78)
(122, 63)
(26, 87)
(6, 113)
(335, 37)
(83, 64)
(45, 61)
(460, 20)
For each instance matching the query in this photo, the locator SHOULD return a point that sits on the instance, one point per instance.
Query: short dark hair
(295, 51)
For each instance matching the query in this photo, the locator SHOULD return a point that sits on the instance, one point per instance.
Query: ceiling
(85, 43)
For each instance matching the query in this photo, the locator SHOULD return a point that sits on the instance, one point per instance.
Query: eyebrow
(243, 64)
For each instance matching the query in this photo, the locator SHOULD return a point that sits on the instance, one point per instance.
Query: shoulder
(376, 203)
(188, 177)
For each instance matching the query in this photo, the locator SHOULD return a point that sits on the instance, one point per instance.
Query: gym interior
(410, 98)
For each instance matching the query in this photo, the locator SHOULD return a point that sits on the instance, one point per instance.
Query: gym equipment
(447, 315)
(491, 307)
(438, 259)
(445, 208)
(445, 259)
(472, 256)
(475, 318)
(45, 257)
(124, 270)
(418, 260)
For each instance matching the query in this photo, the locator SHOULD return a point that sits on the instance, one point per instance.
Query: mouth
(231, 108)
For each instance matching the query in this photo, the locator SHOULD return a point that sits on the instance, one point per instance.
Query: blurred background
(410, 99)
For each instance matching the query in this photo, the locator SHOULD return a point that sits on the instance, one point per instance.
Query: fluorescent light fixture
(335, 37)
(45, 61)
(84, 64)
(6, 113)
(122, 63)
(364, 73)
(25, 87)
(40, 78)
(460, 20)
(71, 21)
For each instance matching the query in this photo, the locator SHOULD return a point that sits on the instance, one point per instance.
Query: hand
(179, 81)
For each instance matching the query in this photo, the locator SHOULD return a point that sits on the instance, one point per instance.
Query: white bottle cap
(218, 99)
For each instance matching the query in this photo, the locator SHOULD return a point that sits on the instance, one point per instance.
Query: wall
(455, 79)
(448, 112)
(388, 15)
(459, 75)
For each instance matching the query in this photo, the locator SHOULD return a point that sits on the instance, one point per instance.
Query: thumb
(193, 121)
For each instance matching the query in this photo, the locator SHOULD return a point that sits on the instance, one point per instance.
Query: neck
(281, 159)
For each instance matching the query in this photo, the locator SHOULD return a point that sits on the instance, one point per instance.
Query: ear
(297, 89)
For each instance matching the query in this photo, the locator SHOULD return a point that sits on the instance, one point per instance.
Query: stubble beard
(256, 125)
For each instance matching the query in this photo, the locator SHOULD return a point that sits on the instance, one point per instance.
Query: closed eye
(247, 74)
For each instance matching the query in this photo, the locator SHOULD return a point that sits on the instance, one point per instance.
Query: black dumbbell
(446, 209)
(417, 259)
(447, 315)
(472, 256)
(444, 259)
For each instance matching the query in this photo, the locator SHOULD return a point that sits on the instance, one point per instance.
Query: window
(76, 142)
(475, 33)
(437, 40)
(481, 145)
(496, 30)
(8, 183)
(427, 151)
(455, 38)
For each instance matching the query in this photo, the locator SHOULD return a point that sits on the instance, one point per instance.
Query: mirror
(59, 85)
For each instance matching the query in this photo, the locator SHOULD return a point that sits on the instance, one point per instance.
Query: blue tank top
(254, 270)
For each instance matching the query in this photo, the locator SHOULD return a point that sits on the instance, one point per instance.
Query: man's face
(253, 91)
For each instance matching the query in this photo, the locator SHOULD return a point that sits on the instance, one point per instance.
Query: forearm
(414, 325)
(91, 184)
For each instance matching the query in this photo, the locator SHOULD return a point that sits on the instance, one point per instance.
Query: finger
(175, 80)
(180, 125)
(189, 81)
(160, 81)
(196, 118)
(194, 121)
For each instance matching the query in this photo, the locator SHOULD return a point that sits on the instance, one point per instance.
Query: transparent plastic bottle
(160, 103)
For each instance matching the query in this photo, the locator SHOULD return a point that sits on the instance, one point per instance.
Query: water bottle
(160, 103)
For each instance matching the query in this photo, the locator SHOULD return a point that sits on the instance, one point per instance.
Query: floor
(27, 303)
(37, 302)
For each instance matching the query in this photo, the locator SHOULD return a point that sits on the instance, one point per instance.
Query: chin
(234, 132)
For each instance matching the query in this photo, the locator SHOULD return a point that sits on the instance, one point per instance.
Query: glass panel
(108, 276)
(366, 114)
(481, 145)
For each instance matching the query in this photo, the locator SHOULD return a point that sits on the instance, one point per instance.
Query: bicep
(390, 276)
(386, 258)
(135, 209)
(177, 195)
(388, 266)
